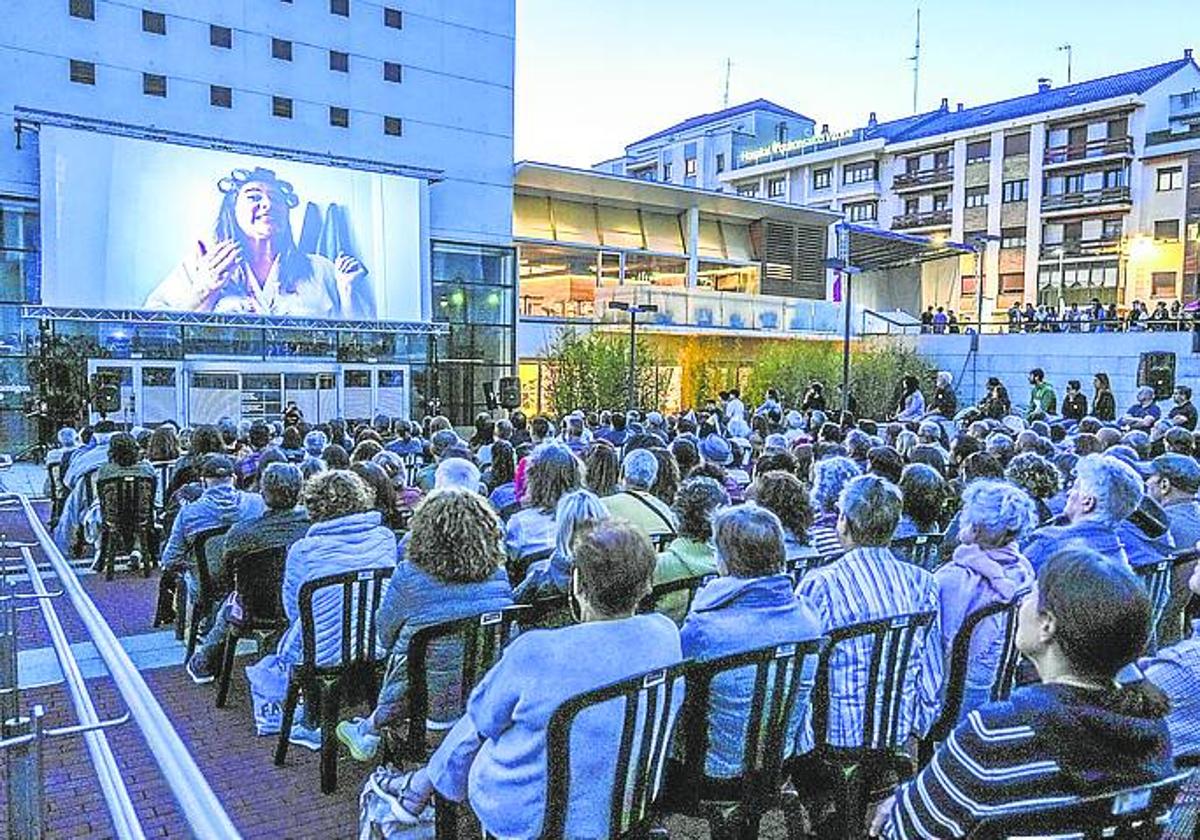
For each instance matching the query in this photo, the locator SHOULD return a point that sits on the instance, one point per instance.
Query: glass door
(314, 393)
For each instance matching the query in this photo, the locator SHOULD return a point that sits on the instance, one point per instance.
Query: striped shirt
(823, 535)
(868, 584)
(1045, 746)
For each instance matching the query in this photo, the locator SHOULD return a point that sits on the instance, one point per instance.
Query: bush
(591, 371)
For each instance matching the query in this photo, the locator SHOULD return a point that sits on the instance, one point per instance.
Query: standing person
(1104, 404)
(911, 405)
(1074, 402)
(1041, 394)
(1183, 413)
(735, 409)
(927, 320)
(939, 321)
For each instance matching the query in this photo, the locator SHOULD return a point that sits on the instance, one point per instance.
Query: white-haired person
(944, 402)
(635, 503)
(829, 476)
(1105, 492)
(986, 568)
(576, 511)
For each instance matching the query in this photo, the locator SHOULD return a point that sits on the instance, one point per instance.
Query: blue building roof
(734, 111)
(1094, 90)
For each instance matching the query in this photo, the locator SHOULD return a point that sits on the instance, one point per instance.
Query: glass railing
(704, 308)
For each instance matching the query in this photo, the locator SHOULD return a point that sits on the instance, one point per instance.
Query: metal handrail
(203, 810)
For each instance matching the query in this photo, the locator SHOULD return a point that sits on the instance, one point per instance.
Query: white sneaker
(302, 736)
(362, 743)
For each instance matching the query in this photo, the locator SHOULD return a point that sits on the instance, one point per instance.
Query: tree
(590, 371)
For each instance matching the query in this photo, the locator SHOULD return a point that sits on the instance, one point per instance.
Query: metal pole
(10, 697)
(845, 277)
(25, 789)
(631, 398)
(979, 246)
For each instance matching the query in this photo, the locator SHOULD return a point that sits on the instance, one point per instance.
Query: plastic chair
(798, 567)
(924, 550)
(518, 567)
(208, 590)
(164, 481)
(412, 466)
(1157, 578)
(126, 519)
(778, 674)
(1136, 813)
(358, 665)
(483, 638)
(674, 598)
(662, 541)
(58, 495)
(641, 746)
(1003, 679)
(258, 582)
(894, 641)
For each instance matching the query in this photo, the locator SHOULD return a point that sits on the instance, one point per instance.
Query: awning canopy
(871, 249)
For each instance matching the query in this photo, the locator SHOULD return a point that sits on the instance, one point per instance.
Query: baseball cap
(716, 449)
(216, 466)
(1183, 472)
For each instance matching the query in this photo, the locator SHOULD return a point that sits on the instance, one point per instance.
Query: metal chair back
(924, 550)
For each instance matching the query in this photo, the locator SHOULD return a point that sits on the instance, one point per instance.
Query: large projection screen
(146, 225)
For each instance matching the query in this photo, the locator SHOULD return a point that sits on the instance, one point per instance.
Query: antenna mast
(728, 69)
(1067, 49)
(916, 59)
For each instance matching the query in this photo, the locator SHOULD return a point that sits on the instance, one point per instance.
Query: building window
(391, 71)
(1073, 183)
(154, 84)
(859, 173)
(339, 117)
(393, 126)
(281, 106)
(1114, 178)
(154, 22)
(1012, 283)
(1012, 238)
(85, 9)
(1170, 178)
(339, 62)
(1016, 144)
(912, 206)
(339, 7)
(941, 160)
(979, 151)
(689, 167)
(220, 96)
(392, 18)
(1118, 128)
(822, 179)
(220, 36)
(748, 190)
(720, 163)
(1162, 284)
(968, 285)
(1111, 229)
(83, 72)
(1013, 191)
(667, 171)
(776, 187)
(862, 211)
(912, 164)
(941, 201)
(976, 197)
(281, 49)
(1167, 230)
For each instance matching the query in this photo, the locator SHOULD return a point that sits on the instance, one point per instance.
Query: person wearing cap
(715, 449)
(1173, 480)
(1183, 413)
(635, 503)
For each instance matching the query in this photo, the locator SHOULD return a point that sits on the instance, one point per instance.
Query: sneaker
(199, 670)
(302, 736)
(362, 743)
(135, 560)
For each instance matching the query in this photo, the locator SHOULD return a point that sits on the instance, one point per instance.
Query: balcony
(687, 310)
(1104, 147)
(1087, 199)
(1185, 105)
(1072, 248)
(923, 178)
(931, 218)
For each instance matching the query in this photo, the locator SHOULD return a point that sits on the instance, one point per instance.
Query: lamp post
(980, 244)
(634, 309)
(843, 272)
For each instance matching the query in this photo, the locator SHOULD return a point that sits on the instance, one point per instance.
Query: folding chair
(924, 550)
(208, 590)
(126, 520)
(357, 667)
(258, 582)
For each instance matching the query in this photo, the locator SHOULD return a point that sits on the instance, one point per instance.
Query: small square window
(339, 7)
(689, 167)
(281, 106)
(392, 18)
(339, 62)
(776, 187)
(220, 96)
(1170, 178)
(1167, 230)
(83, 72)
(1162, 284)
(391, 71)
(220, 36)
(339, 117)
(281, 49)
(393, 126)
(154, 22)
(85, 9)
(154, 84)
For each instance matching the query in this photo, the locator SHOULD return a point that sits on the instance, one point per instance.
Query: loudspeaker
(489, 396)
(510, 392)
(107, 399)
(1157, 370)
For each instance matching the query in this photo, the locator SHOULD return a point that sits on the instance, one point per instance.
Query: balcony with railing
(1087, 199)
(1104, 147)
(1073, 248)
(922, 178)
(927, 219)
(1184, 105)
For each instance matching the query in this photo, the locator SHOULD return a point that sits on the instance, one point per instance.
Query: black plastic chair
(164, 469)
(1003, 679)
(518, 567)
(894, 642)
(924, 550)
(58, 493)
(357, 667)
(208, 590)
(670, 596)
(1157, 577)
(126, 520)
(641, 747)
(483, 638)
(1136, 813)
(258, 581)
(412, 465)
(778, 674)
(798, 567)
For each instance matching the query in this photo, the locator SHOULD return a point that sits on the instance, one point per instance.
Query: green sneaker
(362, 744)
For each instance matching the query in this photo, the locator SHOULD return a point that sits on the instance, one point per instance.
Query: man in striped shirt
(870, 583)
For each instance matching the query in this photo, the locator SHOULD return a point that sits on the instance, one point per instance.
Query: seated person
(924, 492)
(869, 583)
(495, 756)
(1076, 733)
(786, 496)
(829, 477)
(453, 568)
(1143, 414)
(1173, 480)
(79, 480)
(577, 510)
(986, 568)
(635, 503)
(1175, 671)
(750, 606)
(281, 524)
(690, 554)
(552, 470)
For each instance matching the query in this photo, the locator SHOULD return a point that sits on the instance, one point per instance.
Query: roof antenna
(915, 58)
(728, 69)
(1067, 49)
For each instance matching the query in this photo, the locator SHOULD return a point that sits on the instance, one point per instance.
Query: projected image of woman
(252, 264)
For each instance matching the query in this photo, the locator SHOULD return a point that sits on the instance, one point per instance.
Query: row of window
(156, 22)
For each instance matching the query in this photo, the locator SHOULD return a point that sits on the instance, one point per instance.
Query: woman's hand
(349, 271)
(882, 811)
(214, 268)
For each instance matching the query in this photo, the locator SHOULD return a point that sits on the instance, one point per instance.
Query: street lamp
(634, 309)
(980, 245)
(843, 272)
